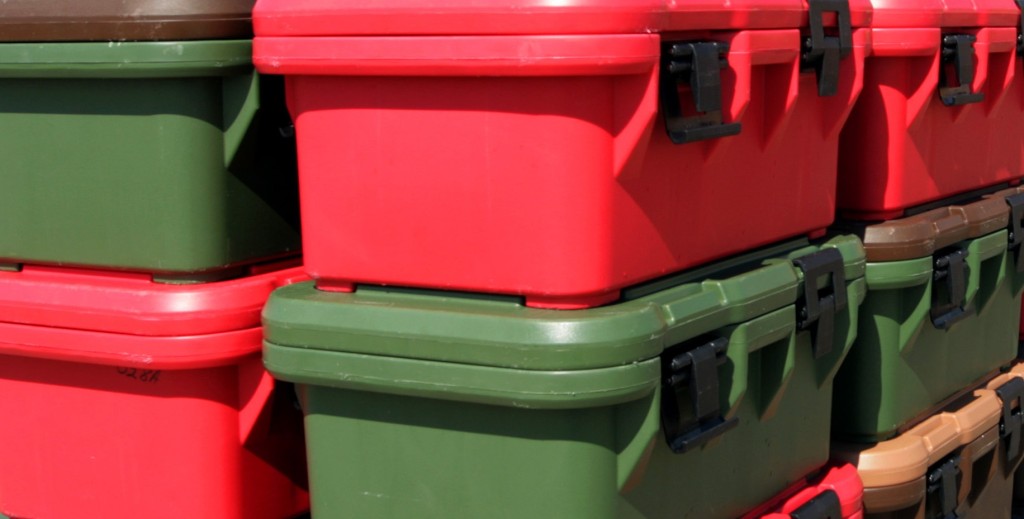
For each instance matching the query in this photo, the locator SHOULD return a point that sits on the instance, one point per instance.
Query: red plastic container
(838, 489)
(123, 398)
(519, 147)
(924, 128)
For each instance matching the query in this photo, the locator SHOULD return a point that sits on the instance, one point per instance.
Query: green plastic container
(163, 157)
(941, 316)
(441, 405)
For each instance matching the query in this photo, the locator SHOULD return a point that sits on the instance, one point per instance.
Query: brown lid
(897, 497)
(907, 457)
(908, 494)
(1016, 372)
(921, 235)
(118, 20)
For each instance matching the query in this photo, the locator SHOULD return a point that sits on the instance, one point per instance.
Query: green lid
(450, 342)
(125, 59)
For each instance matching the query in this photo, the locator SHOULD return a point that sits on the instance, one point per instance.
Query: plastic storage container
(941, 314)
(127, 398)
(164, 157)
(559, 151)
(433, 404)
(106, 20)
(958, 463)
(939, 114)
(837, 494)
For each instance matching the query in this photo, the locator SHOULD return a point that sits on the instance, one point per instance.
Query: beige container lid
(124, 20)
(921, 235)
(913, 493)
(907, 457)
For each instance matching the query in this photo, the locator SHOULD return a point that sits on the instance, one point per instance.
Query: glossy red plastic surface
(478, 17)
(131, 417)
(843, 480)
(528, 156)
(132, 304)
(902, 146)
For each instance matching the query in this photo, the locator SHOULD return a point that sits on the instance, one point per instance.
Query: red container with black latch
(558, 151)
(941, 108)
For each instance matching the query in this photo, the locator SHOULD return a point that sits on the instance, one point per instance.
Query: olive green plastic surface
(157, 157)
(432, 406)
(901, 365)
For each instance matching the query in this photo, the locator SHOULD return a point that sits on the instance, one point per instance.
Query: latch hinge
(1011, 393)
(943, 487)
(820, 302)
(699, 64)
(693, 369)
(823, 52)
(1020, 29)
(950, 267)
(825, 505)
(958, 61)
(1016, 227)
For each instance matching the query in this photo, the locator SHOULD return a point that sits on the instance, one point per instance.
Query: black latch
(694, 369)
(949, 266)
(1016, 227)
(822, 52)
(943, 488)
(824, 506)
(1011, 393)
(820, 303)
(1020, 29)
(700, 65)
(958, 60)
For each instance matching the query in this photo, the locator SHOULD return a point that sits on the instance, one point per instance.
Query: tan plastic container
(959, 460)
(124, 20)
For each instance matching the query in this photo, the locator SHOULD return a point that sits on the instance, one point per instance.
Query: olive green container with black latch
(703, 396)
(941, 315)
(168, 157)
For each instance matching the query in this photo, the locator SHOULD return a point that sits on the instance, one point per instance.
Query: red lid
(944, 13)
(132, 304)
(526, 17)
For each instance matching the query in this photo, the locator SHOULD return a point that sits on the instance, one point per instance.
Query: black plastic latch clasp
(823, 52)
(825, 505)
(1011, 393)
(1016, 227)
(943, 487)
(958, 61)
(693, 369)
(698, 64)
(950, 267)
(1020, 29)
(820, 303)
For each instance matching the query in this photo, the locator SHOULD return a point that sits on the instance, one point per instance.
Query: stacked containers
(943, 95)
(164, 156)
(433, 404)
(519, 148)
(941, 315)
(560, 154)
(146, 162)
(960, 462)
